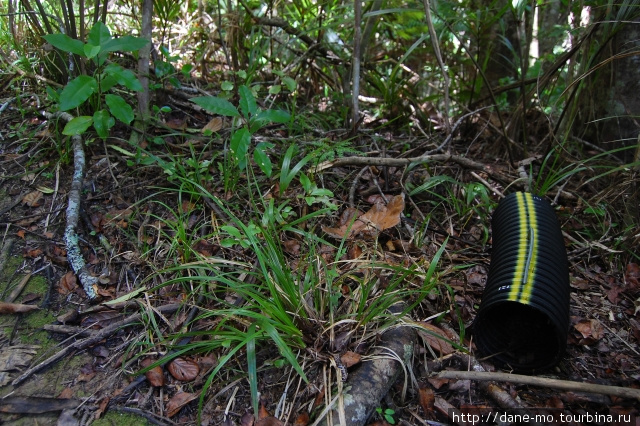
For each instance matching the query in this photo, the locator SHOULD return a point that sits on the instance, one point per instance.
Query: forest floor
(131, 207)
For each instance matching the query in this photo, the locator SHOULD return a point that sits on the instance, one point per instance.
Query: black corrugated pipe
(523, 319)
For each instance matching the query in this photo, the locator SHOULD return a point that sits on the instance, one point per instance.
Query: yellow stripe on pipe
(516, 283)
(532, 253)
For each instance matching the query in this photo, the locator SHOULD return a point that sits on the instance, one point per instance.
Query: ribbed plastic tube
(523, 320)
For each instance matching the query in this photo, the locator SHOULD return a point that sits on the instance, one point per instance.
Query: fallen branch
(371, 381)
(74, 255)
(90, 341)
(542, 382)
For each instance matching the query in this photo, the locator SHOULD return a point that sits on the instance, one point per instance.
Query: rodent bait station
(523, 319)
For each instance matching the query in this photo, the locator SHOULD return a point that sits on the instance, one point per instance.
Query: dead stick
(543, 382)
(89, 341)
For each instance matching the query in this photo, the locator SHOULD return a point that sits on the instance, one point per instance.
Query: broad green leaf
(163, 69)
(124, 77)
(65, 43)
(248, 104)
(267, 117)
(78, 125)
(102, 122)
(107, 82)
(186, 70)
(53, 95)
(129, 80)
(216, 105)
(119, 108)
(290, 83)
(90, 50)
(305, 182)
(232, 230)
(262, 159)
(226, 85)
(125, 44)
(99, 34)
(77, 91)
(240, 142)
(275, 89)
(228, 242)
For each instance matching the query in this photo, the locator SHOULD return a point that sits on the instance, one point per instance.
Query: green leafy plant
(249, 119)
(165, 69)
(387, 413)
(313, 194)
(106, 107)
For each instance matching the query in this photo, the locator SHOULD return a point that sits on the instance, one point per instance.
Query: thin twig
(542, 382)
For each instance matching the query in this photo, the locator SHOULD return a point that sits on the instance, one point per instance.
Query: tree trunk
(497, 41)
(609, 105)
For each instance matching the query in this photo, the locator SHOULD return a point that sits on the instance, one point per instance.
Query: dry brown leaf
(350, 358)
(292, 247)
(214, 125)
(246, 419)
(33, 199)
(14, 308)
(580, 283)
(427, 399)
(348, 215)
(66, 393)
(177, 123)
(205, 248)
(263, 413)
(155, 376)
(354, 252)
(377, 219)
(269, 421)
(183, 369)
(102, 406)
(437, 382)
(427, 335)
(590, 329)
(302, 419)
(179, 400)
(632, 275)
(33, 253)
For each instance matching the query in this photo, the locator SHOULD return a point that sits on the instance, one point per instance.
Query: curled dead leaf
(183, 369)
(155, 376)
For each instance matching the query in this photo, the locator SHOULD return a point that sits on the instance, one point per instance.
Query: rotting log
(366, 386)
